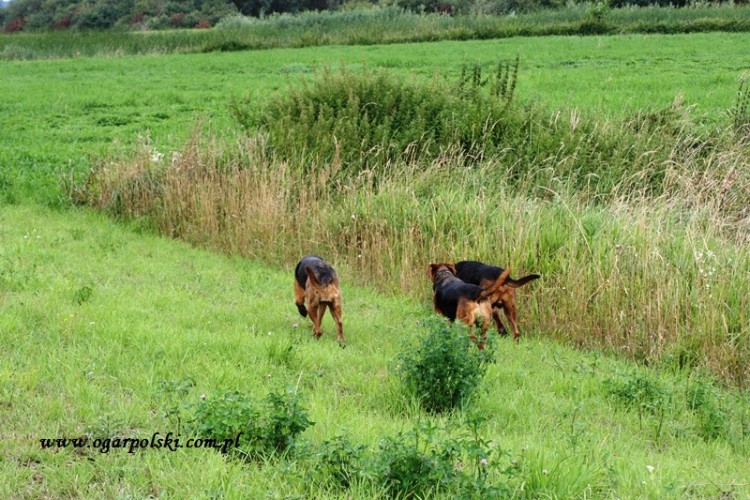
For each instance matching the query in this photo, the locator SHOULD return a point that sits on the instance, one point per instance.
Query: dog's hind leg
(335, 308)
(314, 309)
(299, 298)
(320, 314)
(510, 313)
(498, 322)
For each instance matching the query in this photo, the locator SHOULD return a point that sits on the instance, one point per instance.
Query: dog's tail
(521, 281)
(500, 281)
(311, 276)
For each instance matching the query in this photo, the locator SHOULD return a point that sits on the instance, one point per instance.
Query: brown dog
(454, 298)
(483, 275)
(316, 286)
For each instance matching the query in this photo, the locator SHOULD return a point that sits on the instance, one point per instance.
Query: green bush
(341, 461)
(642, 392)
(413, 464)
(423, 462)
(445, 368)
(373, 121)
(261, 427)
(364, 120)
(703, 399)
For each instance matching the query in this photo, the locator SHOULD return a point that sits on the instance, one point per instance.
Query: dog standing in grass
(483, 275)
(316, 286)
(454, 298)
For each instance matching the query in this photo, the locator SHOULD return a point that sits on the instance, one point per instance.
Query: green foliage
(369, 119)
(424, 461)
(286, 418)
(703, 399)
(82, 294)
(597, 21)
(265, 427)
(226, 416)
(415, 463)
(740, 111)
(445, 368)
(641, 391)
(341, 461)
(380, 25)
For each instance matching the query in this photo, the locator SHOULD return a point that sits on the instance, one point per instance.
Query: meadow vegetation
(634, 213)
(383, 25)
(112, 333)
(643, 223)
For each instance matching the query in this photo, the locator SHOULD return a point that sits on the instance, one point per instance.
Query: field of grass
(100, 323)
(65, 113)
(111, 331)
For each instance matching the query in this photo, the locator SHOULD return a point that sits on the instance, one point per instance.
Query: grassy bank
(105, 332)
(659, 277)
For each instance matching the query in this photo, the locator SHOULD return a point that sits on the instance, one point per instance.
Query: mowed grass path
(97, 320)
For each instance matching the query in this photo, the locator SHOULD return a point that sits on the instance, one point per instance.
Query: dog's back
(478, 273)
(449, 291)
(325, 274)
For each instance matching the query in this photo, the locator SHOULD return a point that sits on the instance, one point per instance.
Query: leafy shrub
(369, 119)
(341, 461)
(374, 121)
(703, 399)
(423, 462)
(445, 368)
(269, 426)
(226, 416)
(285, 419)
(642, 392)
(412, 464)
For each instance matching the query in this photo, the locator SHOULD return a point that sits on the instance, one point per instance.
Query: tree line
(36, 15)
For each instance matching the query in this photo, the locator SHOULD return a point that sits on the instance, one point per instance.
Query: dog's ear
(431, 270)
(452, 267)
(311, 276)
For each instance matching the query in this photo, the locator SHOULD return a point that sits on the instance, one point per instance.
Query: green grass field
(62, 114)
(159, 312)
(101, 322)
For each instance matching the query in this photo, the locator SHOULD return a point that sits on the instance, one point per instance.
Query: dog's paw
(302, 310)
(342, 344)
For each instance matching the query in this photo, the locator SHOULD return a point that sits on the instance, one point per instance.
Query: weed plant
(362, 120)
(261, 428)
(444, 370)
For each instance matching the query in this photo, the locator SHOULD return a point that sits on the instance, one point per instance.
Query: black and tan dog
(454, 298)
(483, 275)
(316, 286)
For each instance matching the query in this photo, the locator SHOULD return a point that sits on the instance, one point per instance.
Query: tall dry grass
(663, 278)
